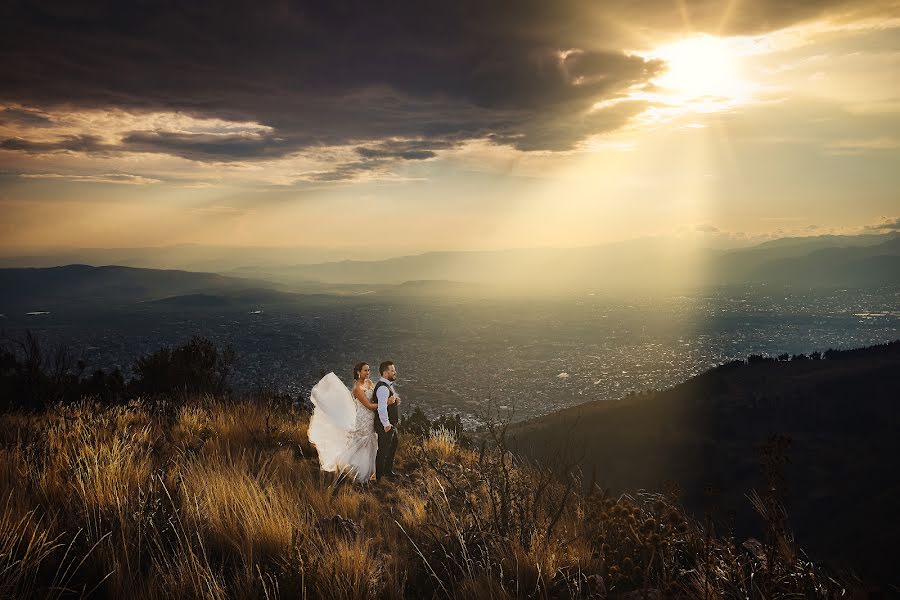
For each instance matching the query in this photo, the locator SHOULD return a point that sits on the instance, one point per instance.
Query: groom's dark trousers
(387, 440)
(387, 447)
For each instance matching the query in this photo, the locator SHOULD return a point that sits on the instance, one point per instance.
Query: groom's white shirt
(382, 396)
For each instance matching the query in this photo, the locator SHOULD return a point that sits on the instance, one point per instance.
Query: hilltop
(198, 495)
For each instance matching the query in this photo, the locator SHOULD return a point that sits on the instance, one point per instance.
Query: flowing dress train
(342, 430)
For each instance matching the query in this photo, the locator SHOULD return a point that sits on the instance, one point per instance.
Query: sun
(703, 71)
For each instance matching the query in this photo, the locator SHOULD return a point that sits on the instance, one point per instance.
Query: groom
(386, 423)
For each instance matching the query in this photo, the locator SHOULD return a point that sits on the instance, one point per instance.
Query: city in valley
(468, 355)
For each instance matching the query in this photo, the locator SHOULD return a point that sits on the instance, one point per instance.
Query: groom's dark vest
(393, 413)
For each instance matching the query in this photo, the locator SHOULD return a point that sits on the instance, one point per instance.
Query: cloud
(26, 117)
(376, 168)
(321, 74)
(74, 143)
(404, 149)
(314, 75)
(562, 127)
(210, 147)
(888, 224)
(120, 178)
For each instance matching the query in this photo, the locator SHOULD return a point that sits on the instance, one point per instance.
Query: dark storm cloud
(404, 154)
(379, 157)
(524, 72)
(207, 146)
(22, 116)
(317, 73)
(405, 150)
(570, 121)
(72, 143)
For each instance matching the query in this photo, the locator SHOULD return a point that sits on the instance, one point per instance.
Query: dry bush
(441, 444)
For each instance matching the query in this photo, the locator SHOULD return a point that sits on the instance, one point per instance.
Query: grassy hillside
(838, 418)
(225, 500)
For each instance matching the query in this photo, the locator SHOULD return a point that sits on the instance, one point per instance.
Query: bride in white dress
(342, 425)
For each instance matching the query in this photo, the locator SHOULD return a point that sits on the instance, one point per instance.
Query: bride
(342, 425)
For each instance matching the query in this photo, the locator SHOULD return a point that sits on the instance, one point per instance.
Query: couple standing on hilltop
(355, 432)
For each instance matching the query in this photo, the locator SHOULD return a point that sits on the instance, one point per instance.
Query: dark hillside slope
(841, 414)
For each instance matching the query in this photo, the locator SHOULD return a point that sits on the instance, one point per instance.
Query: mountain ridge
(52, 286)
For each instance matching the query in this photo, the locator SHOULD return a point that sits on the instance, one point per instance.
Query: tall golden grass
(225, 500)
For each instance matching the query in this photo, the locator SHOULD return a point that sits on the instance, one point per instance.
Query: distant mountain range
(84, 285)
(855, 261)
(185, 257)
(832, 261)
(706, 436)
(77, 284)
(646, 264)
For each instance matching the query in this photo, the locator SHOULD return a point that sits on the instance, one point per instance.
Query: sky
(375, 129)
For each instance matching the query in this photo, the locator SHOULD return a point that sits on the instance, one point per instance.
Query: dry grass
(217, 500)
(442, 444)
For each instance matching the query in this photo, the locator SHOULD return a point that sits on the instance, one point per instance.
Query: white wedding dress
(342, 430)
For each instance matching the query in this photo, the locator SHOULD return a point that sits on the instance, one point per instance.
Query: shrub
(419, 425)
(195, 368)
(33, 377)
(441, 443)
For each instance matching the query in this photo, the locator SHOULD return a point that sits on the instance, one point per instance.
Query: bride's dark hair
(357, 369)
